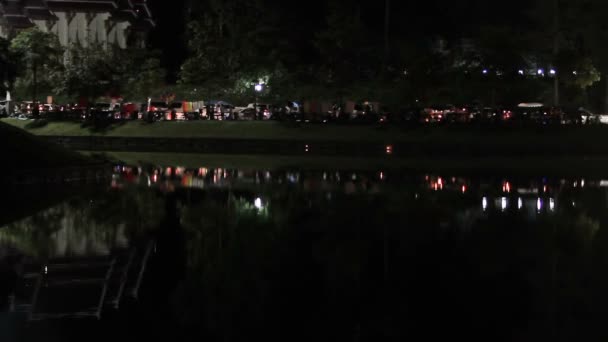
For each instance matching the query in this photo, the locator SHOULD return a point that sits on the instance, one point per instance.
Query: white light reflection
(484, 203)
(552, 204)
(539, 204)
(258, 203)
(503, 203)
(520, 203)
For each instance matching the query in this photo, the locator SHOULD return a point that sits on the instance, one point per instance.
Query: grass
(315, 132)
(22, 150)
(211, 129)
(463, 166)
(455, 140)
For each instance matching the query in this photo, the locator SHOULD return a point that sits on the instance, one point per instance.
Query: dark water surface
(235, 255)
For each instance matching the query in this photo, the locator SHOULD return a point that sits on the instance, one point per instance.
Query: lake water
(234, 255)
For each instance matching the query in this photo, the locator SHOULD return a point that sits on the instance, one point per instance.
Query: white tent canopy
(530, 105)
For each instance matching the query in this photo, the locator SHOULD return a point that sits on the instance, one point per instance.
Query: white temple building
(119, 23)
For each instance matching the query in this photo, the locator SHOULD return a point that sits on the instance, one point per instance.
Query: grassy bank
(22, 150)
(427, 141)
(318, 132)
(212, 129)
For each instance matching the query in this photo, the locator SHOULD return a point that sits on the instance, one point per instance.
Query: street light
(258, 89)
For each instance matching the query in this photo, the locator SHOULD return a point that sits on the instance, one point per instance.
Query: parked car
(175, 111)
(128, 111)
(264, 111)
(157, 110)
(4, 110)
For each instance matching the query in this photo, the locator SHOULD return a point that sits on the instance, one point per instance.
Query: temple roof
(86, 5)
(144, 16)
(13, 14)
(37, 9)
(125, 11)
(18, 22)
(39, 14)
(20, 13)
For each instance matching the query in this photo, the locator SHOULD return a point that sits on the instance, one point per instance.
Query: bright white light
(504, 203)
(258, 87)
(539, 204)
(552, 72)
(540, 71)
(258, 203)
(574, 73)
(520, 203)
(484, 203)
(552, 204)
(521, 72)
(485, 71)
(46, 269)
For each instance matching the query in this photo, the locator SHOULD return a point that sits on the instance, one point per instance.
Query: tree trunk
(34, 89)
(556, 27)
(606, 96)
(35, 82)
(387, 20)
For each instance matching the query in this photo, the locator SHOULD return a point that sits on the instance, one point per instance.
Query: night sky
(168, 36)
(410, 20)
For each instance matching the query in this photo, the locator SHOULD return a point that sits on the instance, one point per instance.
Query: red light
(464, 189)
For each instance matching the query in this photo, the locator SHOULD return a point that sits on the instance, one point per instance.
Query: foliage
(38, 54)
(95, 71)
(8, 67)
(88, 72)
(144, 79)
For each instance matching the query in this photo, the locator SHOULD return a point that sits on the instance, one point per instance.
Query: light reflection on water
(420, 236)
(86, 227)
(495, 193)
